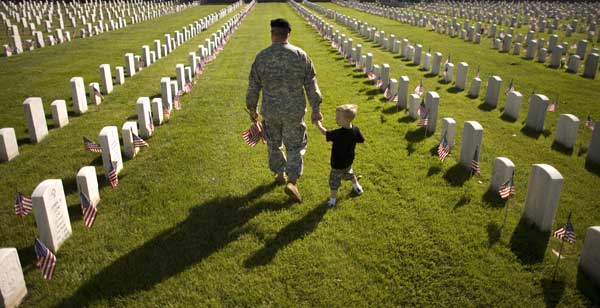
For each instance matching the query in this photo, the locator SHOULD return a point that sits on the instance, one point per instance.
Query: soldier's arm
(311, 87)
(254, 88)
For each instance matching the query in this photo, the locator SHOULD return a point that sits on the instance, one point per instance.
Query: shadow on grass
(457, 175)
(533, 133)
(97, 161)
(454, 90)
(405, 119)
(157, 95)
(494, 232)
(209, 227)
(410, 148)
(584, 284)
(373, 92)
(561, 148)
(24, 140)
(390, 110)
(553, 291)
(430, 75)
(433, 170)
(492, 198)
(295, 230)
(74, 212)
(464, 200)
(27, 258)
(485, 107)
(528, 243)
(592, 167)
(417, 135)
(132, 117)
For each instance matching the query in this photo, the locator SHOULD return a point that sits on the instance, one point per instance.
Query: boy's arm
(322, 129)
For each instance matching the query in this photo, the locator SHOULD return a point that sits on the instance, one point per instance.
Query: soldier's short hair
(280, 27)
(348, 111)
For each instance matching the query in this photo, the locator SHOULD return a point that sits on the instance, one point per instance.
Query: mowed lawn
(197, 220)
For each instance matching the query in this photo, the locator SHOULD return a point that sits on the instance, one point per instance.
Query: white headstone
(35, 118)
(129, 64)
(119, 75)
(87, 183)
(427, 62)
(413, 105)
(111, 149)
(449, 72)
(589, 261)
(512, 106)
(593, 152)
(59, 113)
(543, 194)
(475, 87)
(129, 149)
(432, 102)
(106, 77)
(502, 171)
(95, 95)
(51, 214)
(461, 75)
(157, 111)
(537, 112)
(12, 282)
(437, 60)
(165, 90)
(471, 141)
(566, 130)
(591, 66)
(403, 91)
(9, 148)
(385, 75)
(144, 117)
(180, 73)
(449, 130)
(78, 95)
(493, 91)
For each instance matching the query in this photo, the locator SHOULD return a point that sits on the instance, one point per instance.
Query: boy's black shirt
(344, 141)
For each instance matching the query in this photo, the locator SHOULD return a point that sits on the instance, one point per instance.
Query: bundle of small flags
(23, 205)
(254, 134)
(166, 113)
(188, 87)
(443, 149)
(44, 259)
(507, 189)
(379, 83)
(566, 233)
(475, 163)
(91, 146)
(589, 123)
(88, 210)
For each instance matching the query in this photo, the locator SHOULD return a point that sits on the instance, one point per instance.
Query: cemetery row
(565, 137)
(96, 18)
(529, 47)
(48, 199)
(545, 182)
(34, 109)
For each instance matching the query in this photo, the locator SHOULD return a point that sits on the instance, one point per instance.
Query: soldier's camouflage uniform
(283, 72)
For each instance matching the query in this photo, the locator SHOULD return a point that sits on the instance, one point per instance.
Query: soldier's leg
(294, 139)
(273, 136)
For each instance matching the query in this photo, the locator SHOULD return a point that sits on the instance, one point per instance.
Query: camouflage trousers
(280, 133)
(337, 175)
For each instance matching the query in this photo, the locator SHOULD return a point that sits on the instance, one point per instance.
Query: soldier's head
(344, 114)
(280, 30)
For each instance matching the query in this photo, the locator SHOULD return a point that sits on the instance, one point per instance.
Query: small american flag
(422, 110)
(424, 121)
(371, 76)
(446, 66)
(574, 46)
(97, 92)
(188, 87)
(475, 163)
(112, 175)
(176, 101)
(477, 73)
(254, 134)
(589, 123)
(23, 205)
(379, 83)
(554, 106)
(508, 188)
(388, 94)
(44, 259)
(88, 209)
(419, 90)
(138, 142)
(151, 122)
(566, 233)
(166, 112)
(91, 146)
(443, 149)
(511, 88)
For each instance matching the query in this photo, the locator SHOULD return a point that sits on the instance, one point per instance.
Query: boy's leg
(335, 179)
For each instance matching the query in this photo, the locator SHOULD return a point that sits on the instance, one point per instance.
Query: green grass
(196, 220)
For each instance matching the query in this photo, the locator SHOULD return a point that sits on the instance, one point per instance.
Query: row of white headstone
(568, 124)
(48, 198)
(545, 182)
(504, 43)
(33, 106)
(61, 36)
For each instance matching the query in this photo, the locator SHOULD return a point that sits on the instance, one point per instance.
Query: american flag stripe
(507, 189)
(88, 209)
(553, 107)
(254, 134)
(166, 112)
(138, 141)
(91, 146)
(371, 76)
(23, 205)
(97, 93)
(45, 259)
(443, 149)
(112, 175)
(589, 123)
(566, 233)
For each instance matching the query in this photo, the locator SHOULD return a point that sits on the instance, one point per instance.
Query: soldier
(283, 72)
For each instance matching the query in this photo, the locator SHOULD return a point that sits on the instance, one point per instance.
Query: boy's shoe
(331, 202)
(292, 191)
(357, 188)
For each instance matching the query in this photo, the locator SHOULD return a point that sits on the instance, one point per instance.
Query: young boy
(342, 152)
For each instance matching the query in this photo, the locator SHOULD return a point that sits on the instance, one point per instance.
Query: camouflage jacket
(283, 72)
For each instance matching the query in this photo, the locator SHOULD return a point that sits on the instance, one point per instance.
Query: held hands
(316, 117)
(253, 116)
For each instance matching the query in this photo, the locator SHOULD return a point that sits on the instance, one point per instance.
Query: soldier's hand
(253, 116)
(316, 117)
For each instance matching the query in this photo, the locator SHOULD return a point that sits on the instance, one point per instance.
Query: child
(342, 152)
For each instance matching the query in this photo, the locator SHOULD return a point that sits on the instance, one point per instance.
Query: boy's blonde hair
(348, 111)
